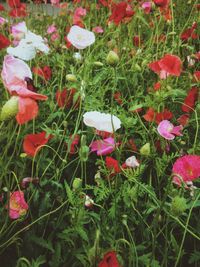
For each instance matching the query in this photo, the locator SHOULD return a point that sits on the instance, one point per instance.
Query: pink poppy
(17, 205)
(98, 29)
(14, 75)
(51, 29)
(103, 147)
(167, 130)
(79, 12)
(186, 169)
(146, 6)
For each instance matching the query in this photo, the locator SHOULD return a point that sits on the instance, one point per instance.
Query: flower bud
(145, 149)
(178, 206)
(71, 78)
(98, 64)
(112, 58)
(9, 109)
(77, 183)
(83, 153)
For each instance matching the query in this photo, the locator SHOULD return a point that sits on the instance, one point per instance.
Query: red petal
(28, 110)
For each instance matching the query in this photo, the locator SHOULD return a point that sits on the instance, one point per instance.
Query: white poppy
(28, 47)
(80, 38)
(102, 121)
(132, 162)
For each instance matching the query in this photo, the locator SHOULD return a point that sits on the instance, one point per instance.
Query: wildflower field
(99, 133)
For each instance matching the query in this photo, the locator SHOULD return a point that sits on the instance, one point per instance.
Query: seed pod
(9, 109)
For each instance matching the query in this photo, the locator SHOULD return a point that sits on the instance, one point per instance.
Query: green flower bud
(145, 149)
(83, 153)
(9, 109)
(98, 64)
(178, 206)
(112, 58)
(71, 78)
(77, 183)
(137, 68)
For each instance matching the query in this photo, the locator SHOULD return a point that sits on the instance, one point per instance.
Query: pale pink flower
(98, 29)
(55, 36)
(18, 31)
(103, 147)
(167, 130)
(51, 29)
(80, 38)
(17, 205)
(186, 169)
(3, 21)
(132, 162)
(55, 2)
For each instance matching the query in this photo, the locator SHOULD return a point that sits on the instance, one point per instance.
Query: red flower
(34, 142)
(189, 33)
(161, 3)
(190, 100)
(105, 3)
(168, 65)
(67, 99)
(74, 141)
(14, 3)
(183, 119)
(44, 72)
(109, 260)
(4, 41)
(120, 11)
(157, 86)
(136, 41)
(2, 8)
(150, 115)
(132, 144)
(117, 97)
(164, 115)
(197, 75)
(17, 8)
(113, 165)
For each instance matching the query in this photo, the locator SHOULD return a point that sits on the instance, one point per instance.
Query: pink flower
(55, 37)
(17, 205)
(18, 31)
(147, 7)
(55, 2)
(98, 29)
(186, 169)
(103, 147)
(167, 130)
(79, 12)
(3, 21)
(14, 74)
(51, 29)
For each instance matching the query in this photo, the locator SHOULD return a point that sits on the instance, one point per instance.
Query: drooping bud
(9, 109)
(77, 183)
(178, 206)
(71, 78)
(145, 149)
(112, 58)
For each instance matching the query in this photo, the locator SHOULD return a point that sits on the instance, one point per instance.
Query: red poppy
(109, 260)
(150, 115)
(197, 75)
(2, 8)
(34, 142)
(189, 33)
(157, 86)
(44, 72)
(120, 11)
(168, 65)
(17, 8)
(183, 119)
(14, 3)
(105, 3)
(136, 41)
(113, 165)
(190, 100)
(161, 3)
(164, 115)
(67, 98)
(117, 97)
(74, 140)
(4, 41)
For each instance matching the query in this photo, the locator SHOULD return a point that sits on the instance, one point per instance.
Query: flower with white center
(80, 38)
(28, 47)
(132, 162)
(102, 121)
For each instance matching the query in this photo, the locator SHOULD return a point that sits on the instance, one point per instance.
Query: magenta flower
(51, 29)
(146, 6)
(17, 205)
(167, 130)
(186, 169)
(103, 147)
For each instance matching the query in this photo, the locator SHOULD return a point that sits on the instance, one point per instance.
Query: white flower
(102, 121)
(80, 38)
(132, 162)
(88, 201)
(77, 56)
(28, 47)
